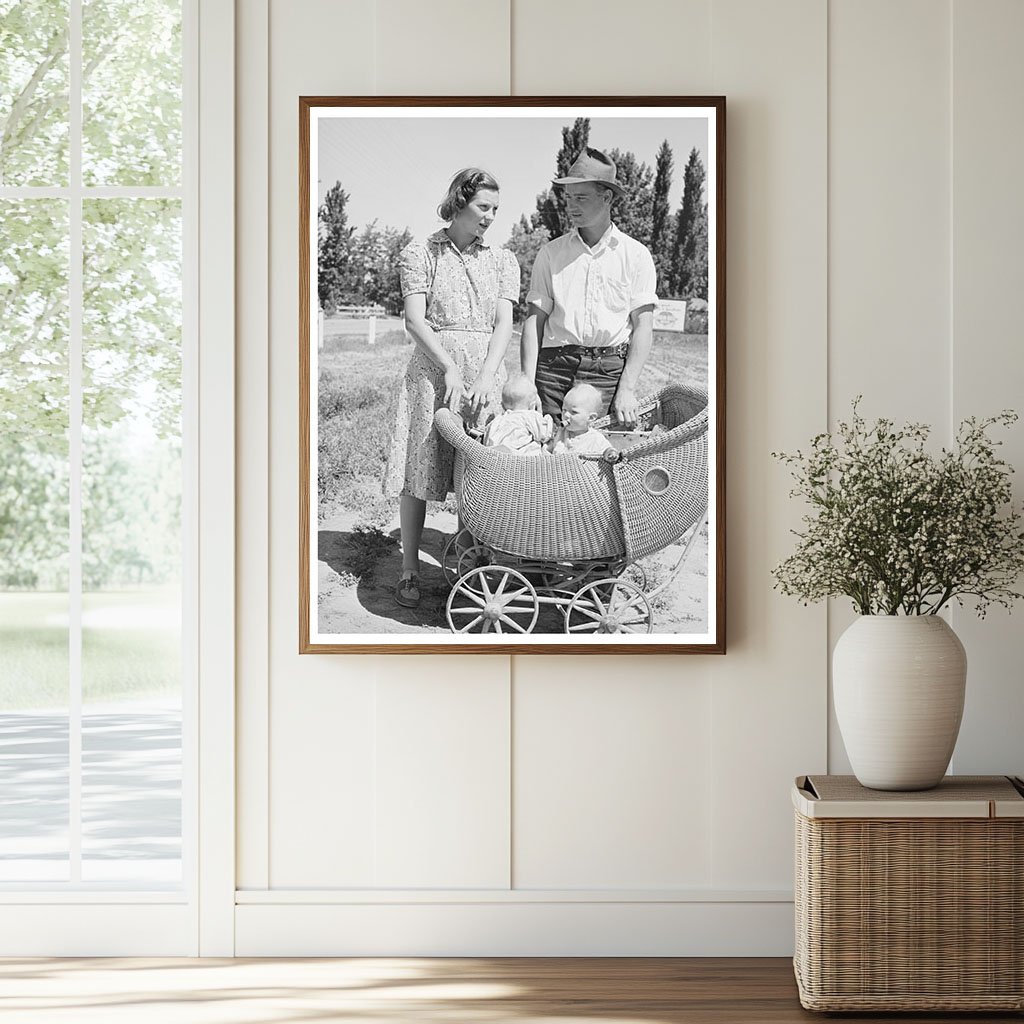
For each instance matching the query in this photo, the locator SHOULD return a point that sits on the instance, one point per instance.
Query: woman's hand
(479, 394)
(453, 388)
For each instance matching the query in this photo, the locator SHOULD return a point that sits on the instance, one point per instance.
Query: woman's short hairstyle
(463, 187)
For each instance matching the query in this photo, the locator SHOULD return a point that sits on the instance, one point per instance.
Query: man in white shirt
(591, 299)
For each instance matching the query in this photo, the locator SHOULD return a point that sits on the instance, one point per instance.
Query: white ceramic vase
(898, 684)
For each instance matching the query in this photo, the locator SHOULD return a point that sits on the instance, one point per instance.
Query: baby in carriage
(581, 406)
(520, 428)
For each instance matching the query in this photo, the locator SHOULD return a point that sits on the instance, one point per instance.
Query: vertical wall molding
(216, 478)
(253, 388)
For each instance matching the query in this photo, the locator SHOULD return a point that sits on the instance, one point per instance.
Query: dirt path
(351, 603)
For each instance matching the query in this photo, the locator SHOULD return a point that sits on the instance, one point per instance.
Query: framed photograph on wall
(512, 375)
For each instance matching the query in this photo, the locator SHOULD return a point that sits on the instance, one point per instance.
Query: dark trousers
(558, 371)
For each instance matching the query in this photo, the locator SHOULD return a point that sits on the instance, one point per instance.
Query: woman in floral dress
(459, 293)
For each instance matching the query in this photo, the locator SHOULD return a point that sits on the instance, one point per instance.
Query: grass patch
(369, 545)
(357, 396)
(131, 647)
(346, 342)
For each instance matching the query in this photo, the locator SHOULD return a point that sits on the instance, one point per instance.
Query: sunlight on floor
(185, 991)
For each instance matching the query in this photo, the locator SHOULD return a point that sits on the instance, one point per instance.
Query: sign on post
(670, 315)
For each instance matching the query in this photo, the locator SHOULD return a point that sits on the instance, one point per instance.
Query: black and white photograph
(511, 375)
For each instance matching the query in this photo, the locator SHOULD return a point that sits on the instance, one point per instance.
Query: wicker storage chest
(910, 901)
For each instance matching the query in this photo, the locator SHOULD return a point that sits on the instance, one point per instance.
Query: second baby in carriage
(581, 406)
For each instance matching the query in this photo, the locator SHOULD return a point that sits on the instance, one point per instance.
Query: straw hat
(592, 165)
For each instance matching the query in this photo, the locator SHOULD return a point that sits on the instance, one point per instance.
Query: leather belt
(591, 350)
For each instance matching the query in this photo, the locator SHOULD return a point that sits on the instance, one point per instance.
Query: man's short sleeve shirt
(589, 293)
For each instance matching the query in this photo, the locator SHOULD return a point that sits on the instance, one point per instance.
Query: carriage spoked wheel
(492, 599)
(610, 606)
(636, 574)
(457, 545)
(476, 557)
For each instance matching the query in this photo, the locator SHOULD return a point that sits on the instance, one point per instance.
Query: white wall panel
(611, 785)
(889, 246)
(889, 208)
(987, 364)
(320, 709)
(442, 797)
(442, 48)
(579, 48)
(442, 777)
(324, 814)
(322, 781)
(769, 693)
(610, 755)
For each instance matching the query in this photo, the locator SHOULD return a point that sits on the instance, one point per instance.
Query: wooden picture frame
(583, 544)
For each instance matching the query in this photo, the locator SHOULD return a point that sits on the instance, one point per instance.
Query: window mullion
(75, 335)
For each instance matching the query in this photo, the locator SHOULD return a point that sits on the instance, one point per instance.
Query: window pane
(33, 540)
(131, 92)
(33, 92)
(131, 744)
(131, 541)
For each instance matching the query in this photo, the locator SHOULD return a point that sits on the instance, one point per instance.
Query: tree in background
(389, 276)
(688, 253)
(33, 513)
(633, 213)
(131, 301)
(131, 93)
(357, 269)
(525, 243)
(131, 509)
(335, 263)
(551, 202)
(661, 219)
(367, 265)
(695, 270)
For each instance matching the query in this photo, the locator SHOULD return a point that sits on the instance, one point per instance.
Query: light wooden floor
(413, 991)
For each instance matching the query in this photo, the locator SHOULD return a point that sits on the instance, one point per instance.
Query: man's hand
(624, 406)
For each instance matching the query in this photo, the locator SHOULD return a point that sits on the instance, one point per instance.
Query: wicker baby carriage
(561, 530)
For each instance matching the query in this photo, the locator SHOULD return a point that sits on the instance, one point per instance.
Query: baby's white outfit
(590, 442)
(524, 431)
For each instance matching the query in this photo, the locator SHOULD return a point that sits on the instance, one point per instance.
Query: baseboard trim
(349, 897)
(515, 928)
(97, 929)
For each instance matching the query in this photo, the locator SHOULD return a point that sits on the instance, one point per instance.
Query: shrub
(895, 528)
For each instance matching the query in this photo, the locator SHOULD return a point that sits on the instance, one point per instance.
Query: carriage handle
(685, 432)
(451, 427)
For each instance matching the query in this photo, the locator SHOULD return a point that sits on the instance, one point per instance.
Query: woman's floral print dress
(462, 290)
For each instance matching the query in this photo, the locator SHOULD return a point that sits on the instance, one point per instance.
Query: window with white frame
(95, 477)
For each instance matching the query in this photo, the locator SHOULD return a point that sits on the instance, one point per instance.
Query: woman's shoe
(407, 592)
